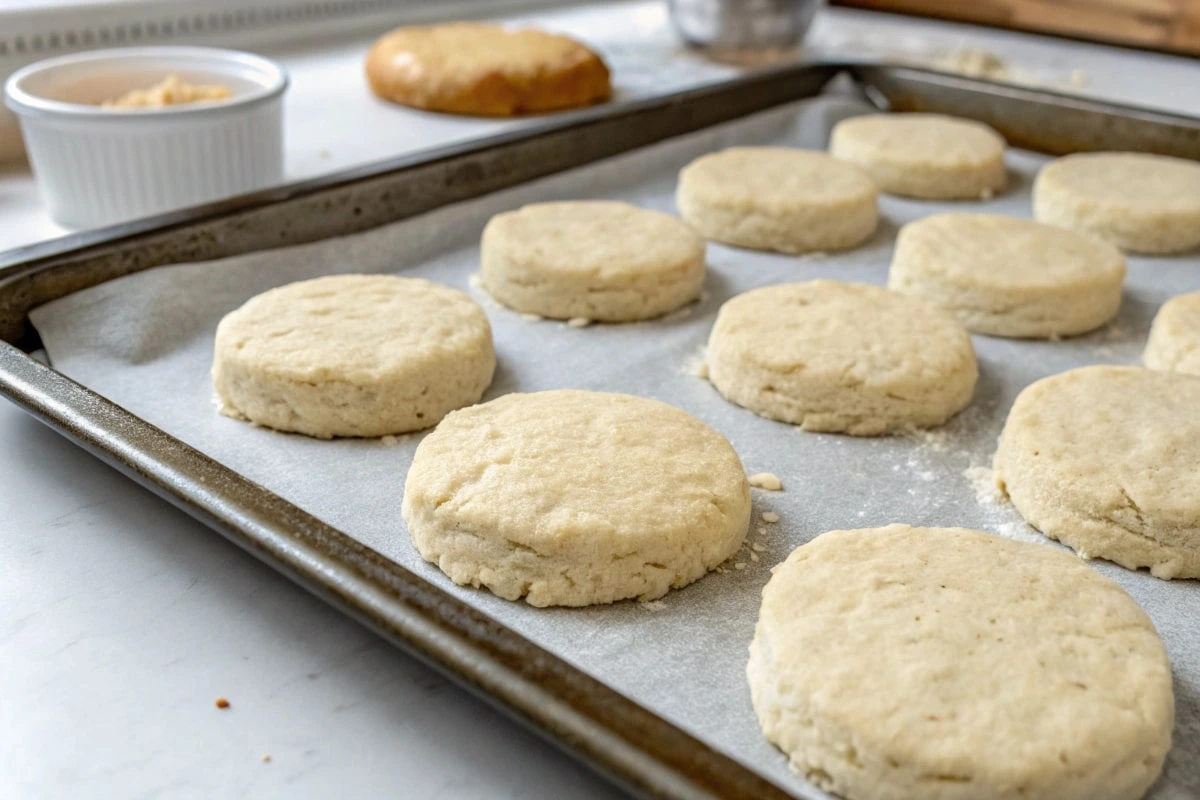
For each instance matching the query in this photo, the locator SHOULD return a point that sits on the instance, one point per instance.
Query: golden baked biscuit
(485, 70)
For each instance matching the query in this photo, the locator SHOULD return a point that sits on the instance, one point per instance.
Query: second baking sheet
(145, 342)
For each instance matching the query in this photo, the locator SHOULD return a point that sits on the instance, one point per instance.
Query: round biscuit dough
(485, 70)
(1174, 342)
(1107, 461)
(906, 663)
(1004, 276)
(352, 355)
(778, 198)
(1141, 203)
(594, 260)
(841, 357)
(575, 498)
(927, 156)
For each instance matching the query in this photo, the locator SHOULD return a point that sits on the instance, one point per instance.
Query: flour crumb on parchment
(767, 481)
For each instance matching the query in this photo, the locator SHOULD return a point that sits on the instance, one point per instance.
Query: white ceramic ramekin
(97, 166)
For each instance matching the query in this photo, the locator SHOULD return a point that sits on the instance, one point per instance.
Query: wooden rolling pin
(1169, 25)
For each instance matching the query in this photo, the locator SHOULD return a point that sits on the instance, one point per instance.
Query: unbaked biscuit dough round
(1005, 276)
(1174, 342)
(927, 156)
(575, 498)
(1141, 203)
(1107, 461)
(594, 260)
(485, 70)
(778, 198)
(352, 355)
(908, 663)
(841, 357)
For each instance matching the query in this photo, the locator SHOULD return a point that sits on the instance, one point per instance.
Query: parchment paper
(145, 342)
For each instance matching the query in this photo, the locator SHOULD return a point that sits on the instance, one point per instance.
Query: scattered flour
(393, 440)
(1003, 519)
(1019, 531)
(653, 605)
(937, 439)
(1116, 332)
(695, 366)
(678, 314)
(983, 482)
(531, 317)
(916, 469)
(1113, 336)
(476, 284)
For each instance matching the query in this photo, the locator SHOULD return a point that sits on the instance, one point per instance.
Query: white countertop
(122, 620)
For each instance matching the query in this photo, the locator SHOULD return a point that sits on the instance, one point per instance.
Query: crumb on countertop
(579, 322)
(266, 759)
(221, 702)
(766, 480)
(770, 516)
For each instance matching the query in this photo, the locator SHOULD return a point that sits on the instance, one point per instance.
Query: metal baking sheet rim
(623, 740)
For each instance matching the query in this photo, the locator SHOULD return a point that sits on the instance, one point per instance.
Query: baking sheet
(145, 342)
